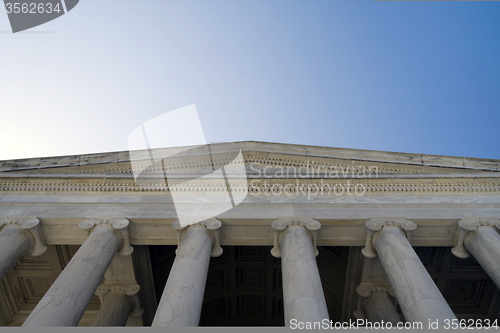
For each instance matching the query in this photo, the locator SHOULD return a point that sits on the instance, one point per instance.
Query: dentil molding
(370, 185)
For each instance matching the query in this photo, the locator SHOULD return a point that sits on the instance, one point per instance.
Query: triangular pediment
(269, 156)
(255, 167)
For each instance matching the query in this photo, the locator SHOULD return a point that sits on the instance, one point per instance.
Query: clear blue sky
(407, 76)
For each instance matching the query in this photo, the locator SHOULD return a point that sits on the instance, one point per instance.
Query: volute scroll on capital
(465, 226)
(312, 226)
(130, 290)
(365, 290)
(374, 225)
(212, 225)
(33, 227)
(121, 225)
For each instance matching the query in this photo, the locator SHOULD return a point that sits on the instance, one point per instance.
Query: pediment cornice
(319, 162)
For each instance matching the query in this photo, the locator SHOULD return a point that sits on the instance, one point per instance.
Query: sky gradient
(405, 76)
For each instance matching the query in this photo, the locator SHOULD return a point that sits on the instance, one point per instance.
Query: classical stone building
(299, 233)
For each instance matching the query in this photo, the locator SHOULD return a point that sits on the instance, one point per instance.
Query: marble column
(295, 243)
(17, 237)
(417, 294)
(182, 298)
(376, 305)
(118, 302)
(379, 307)
(66, 300)
(481, 239)
(375, 295)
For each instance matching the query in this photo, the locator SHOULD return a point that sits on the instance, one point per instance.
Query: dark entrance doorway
(244, 285)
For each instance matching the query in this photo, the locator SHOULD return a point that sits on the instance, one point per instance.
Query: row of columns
(68, 297)
(294, 241)
(418, 296)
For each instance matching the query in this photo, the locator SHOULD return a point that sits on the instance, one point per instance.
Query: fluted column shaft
(378, 307)
(302, 291)
(417, 294)
(67, 298)
(115, 309)
(14, 242)
(484, 244)
(182, 298)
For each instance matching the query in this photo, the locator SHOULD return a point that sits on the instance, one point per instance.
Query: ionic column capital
(130, 290)
(374, 225)
(364, 290)
(32, 226)
(465, 226)
(121, 225)
(212, 225)
(311, 225)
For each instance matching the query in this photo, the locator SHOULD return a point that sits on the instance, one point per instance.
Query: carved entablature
(130, 290)
(212, 225)
(32, 226)
(370, 186)
(311, 225)
(467, 225)
(374, 225)
(120, 225)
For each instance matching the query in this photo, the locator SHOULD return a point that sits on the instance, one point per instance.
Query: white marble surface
(14, 243)
(484, 244)
(303, 296)
(51, 189)
(115, 309)
(418, 296)
(265, 148)
(344, 226)
(182, 298)
(379, 307)
(66, 300)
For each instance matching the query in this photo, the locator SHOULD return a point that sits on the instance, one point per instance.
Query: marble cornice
(292, 151)
(55, 177)
(315, 165)
(261, 161)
